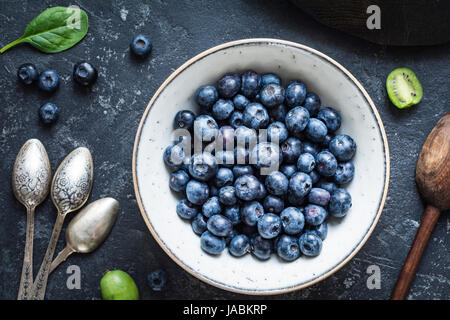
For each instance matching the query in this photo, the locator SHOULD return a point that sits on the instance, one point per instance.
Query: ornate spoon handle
(26, 280)
(40, 284)
(61, 257)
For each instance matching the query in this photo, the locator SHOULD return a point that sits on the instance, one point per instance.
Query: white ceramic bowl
(336, 87)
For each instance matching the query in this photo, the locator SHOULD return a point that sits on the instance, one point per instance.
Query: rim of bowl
(276, 42)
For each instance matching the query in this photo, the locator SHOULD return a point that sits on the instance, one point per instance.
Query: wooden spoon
(433, 180)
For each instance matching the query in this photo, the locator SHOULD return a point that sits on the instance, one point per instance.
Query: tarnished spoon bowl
(31, 177)
(87, 231)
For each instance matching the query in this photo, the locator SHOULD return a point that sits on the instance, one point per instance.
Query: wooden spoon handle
(426, 227)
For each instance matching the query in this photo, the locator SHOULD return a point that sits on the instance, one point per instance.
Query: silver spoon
(87, 231)
(70, 189)
(31, 177)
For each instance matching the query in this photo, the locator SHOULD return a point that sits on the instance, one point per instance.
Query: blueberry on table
(199, 224)
(296, 120)
(315, 215)
(157, 280)
(27, 73)
(197, 192)
(233, 213)
(277, 183)
(330, 117)
(229, 85)
(295, 94)
(256, 116)
(219, 225)
(227, 195)
(310, 244)
(312, 103)
(251, 212)
(288, 169)
(277, 132)
(178, 180)
(240, 102)
(211, 207)
(272, 95)
(330, 186)
(295, 200)
(240, 170)
(309, 147)
(269, 78)
(343, 147)
(48, 81)
(212, 244)
(84, 73)
(326, 141)
(273, 204)
(247, 187)
(278, 113)
(141, 45)
(344, 172)
(239, 245)
(269, 226)
(203, 166)
(262, 192)
(49, 113)
(321, 230)
(224, 177)
(186, 209)
(291, 149)
(184, 119)
(316, 130)
(306, 163)
(288, 248)
(261, 248)
(340, 203)
(319, 196)
(300, 184)
(250, 84)
(174, 156)
(315, 176)
(206, 97)
(326, 163)
(236, 119)
(292, 220)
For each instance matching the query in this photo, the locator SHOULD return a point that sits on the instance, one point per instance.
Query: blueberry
(293, 220)
(203, 166)
(49, 113)
(344, 172)
(273, 204)
(236, 119)
(269, 226)
(212, 244)
(157, 280)
(241, 170)
(197, 192)
(327, 185)
(288, 170)
(291, 149)
(251, 212)
(224, 177)
(295, 93)
(277, 132)
(184, 119)
(211, 207)
(225, 158)
(229, 85)
(310, 244)
(272, 95)
(312, 103)
(269, 78)
(316, 130)
(299, 184)
(141, 45)
(186, 209)
(315, 176)
(222, 109)
(315, 215)
(219, 225)
(319, 196)
(48, 81)
(330, 117)
(205, 128)
(213, 190)
(343, 147)
(321, 230)
(227, 195)
(295, 199)
(326, 164)
(232, 234)
(340, 203)
(27, 73)
(233, 213)
(206, 96)
(261, 248)
(247, 187)
(250, 84)
(278, 113)
(85, 73)
(178, 180)
(245, 137)
(174, 156)
(277, 183)
(239, 245)
(326, 141)
(240, 102)
(288, 248)
(262, 192)
(309, 147)
(266, 154)
(296, 120)
(256, 116)
(198, 224)
(306, 163)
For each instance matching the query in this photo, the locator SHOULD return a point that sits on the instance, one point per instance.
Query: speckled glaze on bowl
(336, 87)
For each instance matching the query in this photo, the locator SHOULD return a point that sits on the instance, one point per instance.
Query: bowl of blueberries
(261, 166)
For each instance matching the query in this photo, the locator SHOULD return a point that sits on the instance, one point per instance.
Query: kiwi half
(403, 87)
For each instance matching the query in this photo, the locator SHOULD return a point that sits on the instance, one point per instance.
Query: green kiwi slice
(403, 87)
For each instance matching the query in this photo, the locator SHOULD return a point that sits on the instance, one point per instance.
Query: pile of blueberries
(229, 199)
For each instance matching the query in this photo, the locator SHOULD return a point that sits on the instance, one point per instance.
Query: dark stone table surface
(105, 120)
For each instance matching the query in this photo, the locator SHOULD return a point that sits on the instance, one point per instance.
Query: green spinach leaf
(54, 30)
